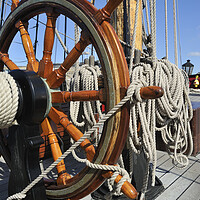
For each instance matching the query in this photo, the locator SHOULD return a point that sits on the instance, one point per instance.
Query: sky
(188, 14)
(189, 24)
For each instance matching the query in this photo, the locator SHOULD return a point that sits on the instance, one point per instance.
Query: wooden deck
(179, 184)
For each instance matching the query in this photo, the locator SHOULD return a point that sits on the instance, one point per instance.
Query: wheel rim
(77, 188)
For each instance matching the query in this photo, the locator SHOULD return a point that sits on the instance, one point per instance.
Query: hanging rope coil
(9, 96)
(85, 78)
(174, 112)
(170, 114)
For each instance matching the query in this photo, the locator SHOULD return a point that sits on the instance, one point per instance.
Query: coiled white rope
(170, 114)
(85, 78)
(132, 90)
(9, 97)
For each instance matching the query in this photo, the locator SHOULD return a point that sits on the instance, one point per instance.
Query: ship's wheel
(41, 78)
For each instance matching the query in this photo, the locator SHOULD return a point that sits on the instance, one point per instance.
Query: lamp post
(188, 67)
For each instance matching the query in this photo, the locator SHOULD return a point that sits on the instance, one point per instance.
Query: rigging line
(5, 10)
(56, 42)
(7, 4)
(23, 61)
(2, 10)
(166, 30)
(179, 38)
(143, 26)
(93, 2)
(147, 16)
(92, 50)
(59, 32)
(36, 35)
(0, 4)
(152, 4)
(175, 33)
(61, 42)
(18, 42)
(65, 39)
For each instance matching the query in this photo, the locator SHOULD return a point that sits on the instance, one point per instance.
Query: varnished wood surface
(56, 152)
(180, 184)
(138, 39)
(119, 25)
(151, 92)
(90, 95)
(9, 63)
(59, 117)
(28, 46)
(46, 65)
(56, 78)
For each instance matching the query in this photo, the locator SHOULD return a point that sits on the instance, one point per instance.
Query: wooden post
(121, 21)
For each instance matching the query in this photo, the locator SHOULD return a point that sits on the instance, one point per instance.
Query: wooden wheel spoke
(87, 95)
(105, 13)
(63, 176)
(151, 92)
(28, 47)
(59, 117)
(56, 77)
(9, 63)
(46, 65)
(14, 4)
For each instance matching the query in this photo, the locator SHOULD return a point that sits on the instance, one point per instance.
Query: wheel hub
(34, 97)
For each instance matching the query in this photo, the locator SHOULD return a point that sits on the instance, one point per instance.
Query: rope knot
(134, 90)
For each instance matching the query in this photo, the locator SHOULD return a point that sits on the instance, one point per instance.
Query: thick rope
(60, 40)
(153, 30)
(85, 78)
(77, 36)
(111, 181)
(9, 97)
(170, 114)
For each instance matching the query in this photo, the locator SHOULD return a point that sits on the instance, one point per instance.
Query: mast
(123, 21)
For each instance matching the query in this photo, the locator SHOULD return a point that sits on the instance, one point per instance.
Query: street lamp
(188, 67)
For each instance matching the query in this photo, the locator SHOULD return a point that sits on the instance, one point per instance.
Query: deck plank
(160, 154)
(177, 181)
(192, 191)
(171, 173)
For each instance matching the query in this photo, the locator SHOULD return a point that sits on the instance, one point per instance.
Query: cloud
(195, 53)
